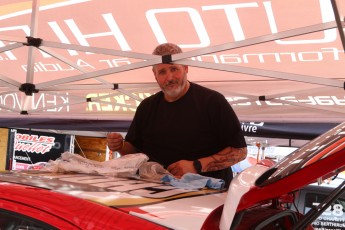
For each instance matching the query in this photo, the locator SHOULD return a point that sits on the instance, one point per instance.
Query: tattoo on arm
(225, 158)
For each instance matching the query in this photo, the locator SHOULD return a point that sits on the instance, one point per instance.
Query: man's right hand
(114, 141)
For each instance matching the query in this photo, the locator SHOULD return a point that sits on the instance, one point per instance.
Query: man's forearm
(223, 159)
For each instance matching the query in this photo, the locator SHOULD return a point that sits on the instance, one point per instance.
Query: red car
(258, 198)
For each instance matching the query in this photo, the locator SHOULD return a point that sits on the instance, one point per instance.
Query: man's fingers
(114, 141)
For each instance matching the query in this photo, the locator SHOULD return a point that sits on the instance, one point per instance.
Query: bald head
(167, 49)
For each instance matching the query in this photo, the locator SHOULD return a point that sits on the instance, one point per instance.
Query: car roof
(322, 188)
(64, 211)
(153, 201)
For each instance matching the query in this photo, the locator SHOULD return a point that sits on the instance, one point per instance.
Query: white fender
(240, 185)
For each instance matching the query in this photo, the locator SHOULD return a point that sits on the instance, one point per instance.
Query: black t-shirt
(199, 124)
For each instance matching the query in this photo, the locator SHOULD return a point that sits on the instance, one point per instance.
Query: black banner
(302, 131)
(31, 149)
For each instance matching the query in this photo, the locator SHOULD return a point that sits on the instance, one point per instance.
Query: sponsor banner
(304, 131)
(32, 149)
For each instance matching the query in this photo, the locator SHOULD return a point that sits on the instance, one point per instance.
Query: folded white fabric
(194, 181)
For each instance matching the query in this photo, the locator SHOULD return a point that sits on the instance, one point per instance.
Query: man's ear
(186, 68)
(154, 74)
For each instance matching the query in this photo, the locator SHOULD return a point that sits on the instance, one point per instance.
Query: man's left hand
(179, 168)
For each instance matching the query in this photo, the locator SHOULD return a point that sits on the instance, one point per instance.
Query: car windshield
(316, 150)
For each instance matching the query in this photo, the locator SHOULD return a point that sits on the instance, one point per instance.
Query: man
(185, 127)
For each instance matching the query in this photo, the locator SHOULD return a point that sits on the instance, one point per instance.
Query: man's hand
(179, 168)
(114, 141)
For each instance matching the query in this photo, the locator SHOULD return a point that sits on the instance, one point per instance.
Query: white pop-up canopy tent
(79, 64)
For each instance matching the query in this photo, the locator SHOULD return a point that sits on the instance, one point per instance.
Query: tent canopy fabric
(84, 60)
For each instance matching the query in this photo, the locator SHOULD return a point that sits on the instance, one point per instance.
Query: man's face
(172, 79)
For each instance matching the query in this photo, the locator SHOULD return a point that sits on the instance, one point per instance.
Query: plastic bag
(152, 171)
(124, 166)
